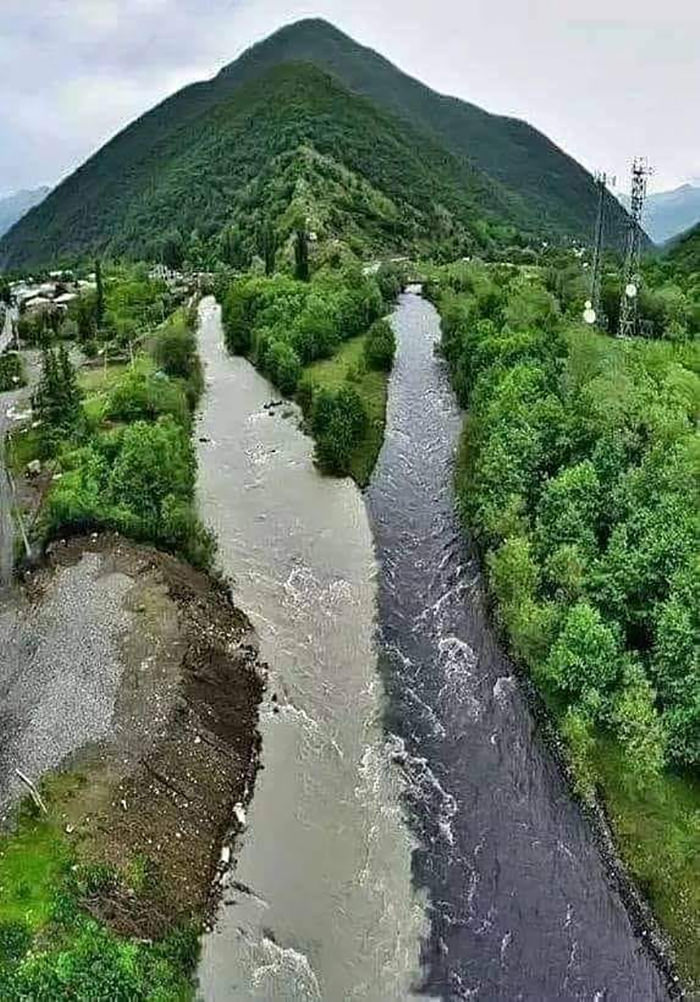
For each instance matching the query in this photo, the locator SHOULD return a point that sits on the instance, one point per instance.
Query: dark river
(409, 835)
(520, 906)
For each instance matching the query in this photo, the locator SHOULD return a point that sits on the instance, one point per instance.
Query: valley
(348, 559)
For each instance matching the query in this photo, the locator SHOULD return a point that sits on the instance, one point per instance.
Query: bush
(380, 346)
(338, 421)
(175, 352)
(11, 371)
(141, 394)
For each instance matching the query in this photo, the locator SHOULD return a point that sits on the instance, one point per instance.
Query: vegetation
(348, 369)
(285, 324)
(579, 480)
(118, 437)
(11, 371)
(382, 161)
(129, 463)
(51, 948)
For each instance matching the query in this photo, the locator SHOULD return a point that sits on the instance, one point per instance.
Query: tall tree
(268, 246)
(301, 255)
(99, 295)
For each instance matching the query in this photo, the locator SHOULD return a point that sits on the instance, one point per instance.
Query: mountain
(560, 192)
(14, 206)
(669, 213)
(310, 121)
(684, 253)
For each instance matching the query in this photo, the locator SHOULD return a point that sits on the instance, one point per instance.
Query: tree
(338, 421)
(57, 398)
(268, 246)
(301, 255)
(172, 252)
(585, 659)
(380, 346)
(99, 295)
(232, 248)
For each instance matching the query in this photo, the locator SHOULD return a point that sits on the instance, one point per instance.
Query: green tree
(99, 295)
(584, 661)
(301, 255)
(268, 246)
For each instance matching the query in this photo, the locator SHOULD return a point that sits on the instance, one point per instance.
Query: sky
(605, 79)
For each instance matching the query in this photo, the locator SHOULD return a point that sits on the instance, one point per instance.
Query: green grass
(97, 379)
(657, 831)
(50, 947)
(22, 448)
(34, 854)
(30, 865)
(348, 364)
(96, 384)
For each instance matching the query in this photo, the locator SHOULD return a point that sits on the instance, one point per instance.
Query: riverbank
(131, 685)
(576, 460)
(521, 904)
(142, 690)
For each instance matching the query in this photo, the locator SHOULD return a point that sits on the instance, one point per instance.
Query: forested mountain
(310, 120)
(14, 206)
(560, 191)
(668, 213)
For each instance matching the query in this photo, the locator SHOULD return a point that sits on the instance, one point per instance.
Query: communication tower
(630, 275)
(592, 312)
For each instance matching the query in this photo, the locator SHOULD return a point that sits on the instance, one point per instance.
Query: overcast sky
(605, 79)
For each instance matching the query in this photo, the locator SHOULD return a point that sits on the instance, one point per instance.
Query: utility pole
(592, 312)
(627, 326)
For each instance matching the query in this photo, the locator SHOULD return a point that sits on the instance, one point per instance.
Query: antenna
(592, 311)
(630, 277)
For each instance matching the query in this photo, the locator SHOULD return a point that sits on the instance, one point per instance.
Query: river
(330, 912)
(409, 833)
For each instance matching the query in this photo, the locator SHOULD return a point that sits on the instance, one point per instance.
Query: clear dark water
(520, 905)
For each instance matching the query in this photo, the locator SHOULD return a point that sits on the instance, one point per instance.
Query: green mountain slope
(293, 136)
(684, 252)
(562, 194)
(445, 172)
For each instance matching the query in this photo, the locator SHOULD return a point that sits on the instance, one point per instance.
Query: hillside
(336, 157)
(439, 170)
(684, 253)
(561, 192)
(14, 206)
(669, 213)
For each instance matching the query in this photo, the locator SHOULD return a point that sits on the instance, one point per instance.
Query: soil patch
(156, 799)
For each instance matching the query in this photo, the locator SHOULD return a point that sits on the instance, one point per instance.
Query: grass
(22, 447)
(97, 379)
(348, 365)
(50, 947)
(33, 856)
(657, 831)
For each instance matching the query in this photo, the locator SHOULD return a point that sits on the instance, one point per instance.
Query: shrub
(338, 421)
(380, 346)
(140, 394)
(11, 371)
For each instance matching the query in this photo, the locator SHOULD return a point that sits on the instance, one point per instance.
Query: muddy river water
(409, 834)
